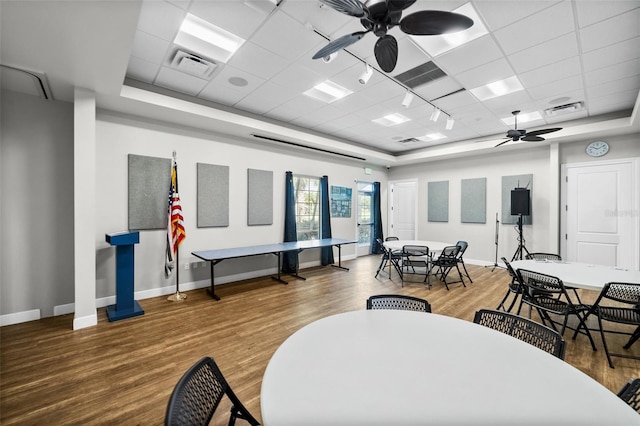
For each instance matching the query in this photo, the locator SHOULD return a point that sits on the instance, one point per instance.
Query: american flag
(175, 222)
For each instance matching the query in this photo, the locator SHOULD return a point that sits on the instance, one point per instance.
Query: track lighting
(408, 98)
(435, 114)
(450, 122)
(366, 75)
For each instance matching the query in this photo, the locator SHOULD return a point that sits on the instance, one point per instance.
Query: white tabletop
(434, 246)
(390, 367)
(579, 275)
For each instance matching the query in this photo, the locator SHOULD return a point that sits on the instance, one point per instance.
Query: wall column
(554, 197)
(84, 202)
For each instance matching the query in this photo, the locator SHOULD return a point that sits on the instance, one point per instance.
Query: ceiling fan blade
(530, 138)
(434, 22)
(386, 51)
(348, 7)
(542, 131)
(502, 143)
(395, 5)
(339, 44)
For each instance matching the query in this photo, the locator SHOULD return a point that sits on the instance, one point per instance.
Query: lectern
(125, 306)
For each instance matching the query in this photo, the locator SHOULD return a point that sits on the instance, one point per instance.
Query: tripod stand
(495, 262)
(518, 254)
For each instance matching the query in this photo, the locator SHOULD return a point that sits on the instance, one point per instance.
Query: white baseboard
(86, 321)
(19, 317)
(102, 302)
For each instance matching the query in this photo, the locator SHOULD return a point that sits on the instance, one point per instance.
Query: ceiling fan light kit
(379, 16)
(366, 75)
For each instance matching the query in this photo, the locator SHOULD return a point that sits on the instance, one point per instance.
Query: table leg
(212, 290)
(634, 337)
(339, 265)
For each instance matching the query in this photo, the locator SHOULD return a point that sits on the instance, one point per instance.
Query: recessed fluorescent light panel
(432, 137)
(437, 45)
(328, 92)
(497, 88)
(522, 118)
(206, 39)
(391, 120)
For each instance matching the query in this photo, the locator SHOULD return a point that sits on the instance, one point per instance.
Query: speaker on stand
(520, 206)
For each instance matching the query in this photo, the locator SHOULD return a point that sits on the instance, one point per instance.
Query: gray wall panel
(438, 201)
(260, 197)
(149, 180)
(213, 195)
(473, 203)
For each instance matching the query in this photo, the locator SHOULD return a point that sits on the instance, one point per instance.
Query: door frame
(360, 250)
(390, 204)
(635, 209)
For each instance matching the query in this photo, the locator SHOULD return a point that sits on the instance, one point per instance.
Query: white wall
(36, 230)
(119, 136)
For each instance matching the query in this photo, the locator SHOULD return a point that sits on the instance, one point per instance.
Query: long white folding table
(218, 255)
(579, 275)
(391, 367)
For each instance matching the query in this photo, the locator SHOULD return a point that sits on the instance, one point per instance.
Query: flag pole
(177, 296)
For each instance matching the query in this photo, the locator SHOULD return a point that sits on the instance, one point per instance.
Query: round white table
(390, 367)
(579, 275)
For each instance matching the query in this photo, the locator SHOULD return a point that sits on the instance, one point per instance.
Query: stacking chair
(398, 301)
(622, 307)
(415, 256)
(543, 256)
(445, 263)
(463, 247)
(548, 295)
(524, 329)
(515, 288)
(197, 395)
(630, 393)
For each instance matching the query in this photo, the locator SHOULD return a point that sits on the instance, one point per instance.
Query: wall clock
(597, 148)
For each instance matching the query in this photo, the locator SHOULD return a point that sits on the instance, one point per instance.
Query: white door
(402, 210)
(598, 223)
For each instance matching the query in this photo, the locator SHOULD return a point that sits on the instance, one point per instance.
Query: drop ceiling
(562, 52)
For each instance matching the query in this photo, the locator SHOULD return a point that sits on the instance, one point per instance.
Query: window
(307, 207)
(365, 214)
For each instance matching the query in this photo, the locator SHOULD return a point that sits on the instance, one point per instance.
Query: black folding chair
(445, 262)
(399, 302)
(514, 288)
(463, 247)
(630, 393)
(197, 395)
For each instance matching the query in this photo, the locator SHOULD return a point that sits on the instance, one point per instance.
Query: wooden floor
(123, 373)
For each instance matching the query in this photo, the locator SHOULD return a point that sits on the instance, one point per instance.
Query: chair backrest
(628, 293)
(543, 256)
(197, 395)
(524, 329)
(392, 239)
(513, 273)
(412, 250)
(543, 285)
(463, 247)
(449, 253)
(630, 393)
(398, 301)
(381, 245)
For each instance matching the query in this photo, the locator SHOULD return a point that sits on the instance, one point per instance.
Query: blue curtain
(325, 218)
(290, 259)
(377, 220)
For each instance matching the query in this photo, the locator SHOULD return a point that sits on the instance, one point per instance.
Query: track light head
(435, 114)
(450, 122)
(408, 98)
(329, 58)
(366, 75)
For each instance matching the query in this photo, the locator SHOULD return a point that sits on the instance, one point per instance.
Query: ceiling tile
(468, 56)
(484, 74)
(139, 69)
(284, 36)
(266, 97)
(611, 31)
(149, 48)
(590, 12)
(525, 33)
(614, 72)
(233, 16)
(498, 14)
(548, 74)
(619, 52)
(545, 53)
(179, 81)
(160, 19)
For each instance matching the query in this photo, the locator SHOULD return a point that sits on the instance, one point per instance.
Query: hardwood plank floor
(123, 373)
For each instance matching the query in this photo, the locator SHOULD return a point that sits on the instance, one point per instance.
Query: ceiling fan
(516, 134)
(379, 16)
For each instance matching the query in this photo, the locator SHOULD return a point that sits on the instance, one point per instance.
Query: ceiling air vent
(422, 74)
(563, 109)
(409, 140)
(193, 64)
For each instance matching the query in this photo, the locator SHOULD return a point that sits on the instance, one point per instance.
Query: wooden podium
(125, 306)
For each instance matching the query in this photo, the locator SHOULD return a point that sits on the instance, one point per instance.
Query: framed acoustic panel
(473, 203)
(259, 197)
(213, 195)
(509, 183)
(149, 180)
(438, 201)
